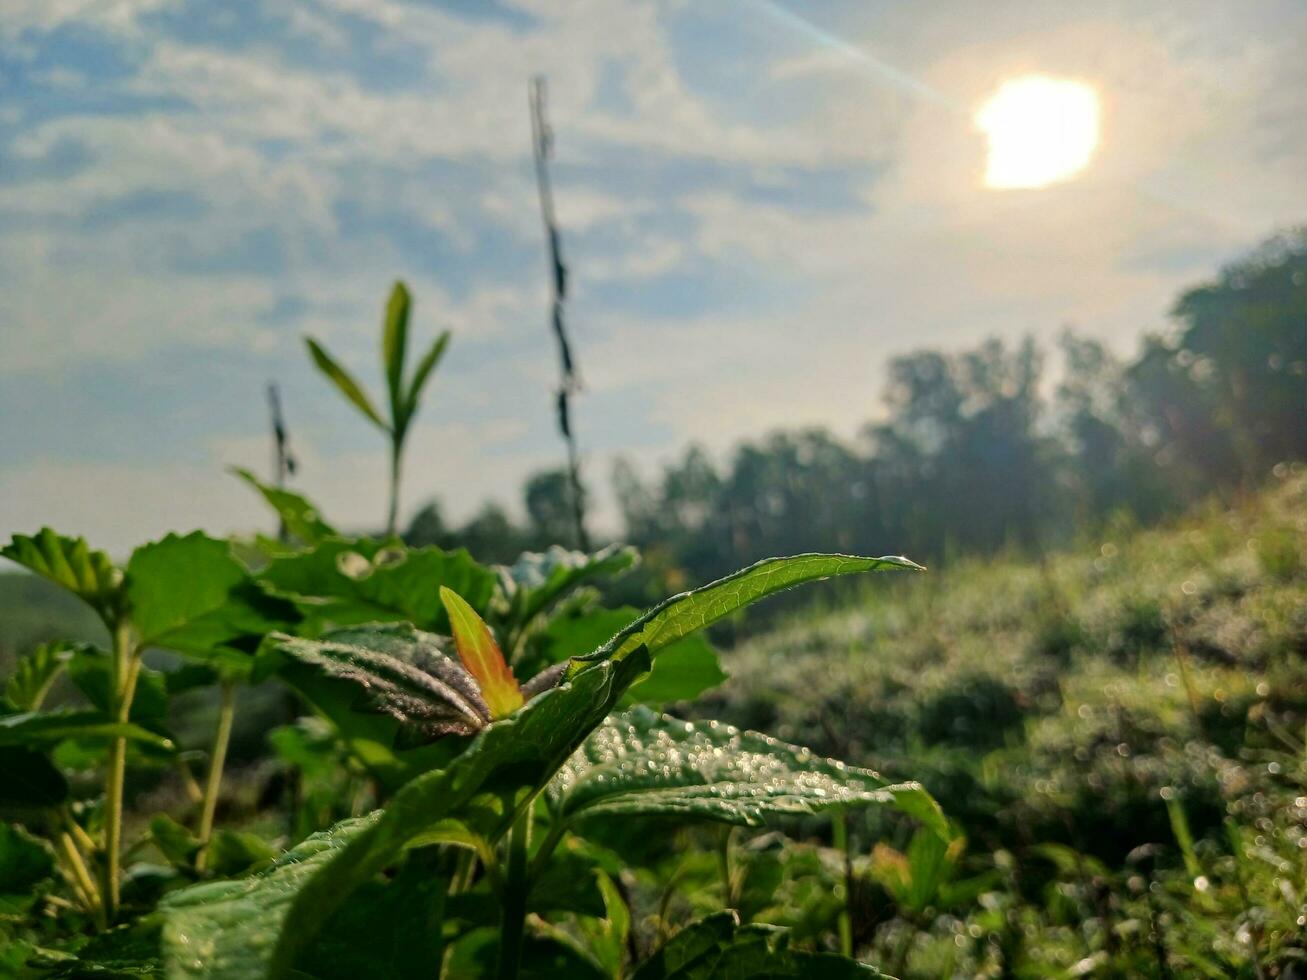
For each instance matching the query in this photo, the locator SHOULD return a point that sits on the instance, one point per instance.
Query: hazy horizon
(760, 204)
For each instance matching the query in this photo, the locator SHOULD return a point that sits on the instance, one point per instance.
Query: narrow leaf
(683, 614)
(343, 381)
(44, 728)
(301, 518)
(481, 656)
(645, 764)
(394, 338)
(425, 367)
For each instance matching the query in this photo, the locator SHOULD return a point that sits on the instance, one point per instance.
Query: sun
(1040, 130)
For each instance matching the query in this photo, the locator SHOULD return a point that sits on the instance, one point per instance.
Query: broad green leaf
(30, 779)
(481, 656)
(345, 383)
(539, 579)
(235, 852)
(175, 842)
(681, 672)
(719, 948)
(348, 582)
(300, 517)
(389, 929)
(644, 764)
(25, 862)
(690, 611)
(510, 760)
(191, 594)
(394, 339)
(391, 669)
(45, 728)
(36, 673)
(69, 562)
(425, 367)
(229, 928)
(92, 672)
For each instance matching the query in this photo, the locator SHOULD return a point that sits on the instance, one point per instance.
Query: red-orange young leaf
(481, 656)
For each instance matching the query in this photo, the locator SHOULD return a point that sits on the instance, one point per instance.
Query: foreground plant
(186, 594)
(489, 857)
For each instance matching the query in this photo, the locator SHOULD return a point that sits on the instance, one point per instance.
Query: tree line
(1004, 446)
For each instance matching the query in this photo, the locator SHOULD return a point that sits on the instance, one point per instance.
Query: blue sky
(761, 203)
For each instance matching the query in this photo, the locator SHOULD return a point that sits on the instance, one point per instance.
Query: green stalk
(83, 885)
(126, 667)
(396, 451)
(217, 759)
(516, 886)
(840, 832)
(724, 866)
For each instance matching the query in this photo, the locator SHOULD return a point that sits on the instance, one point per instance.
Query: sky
(761, 202)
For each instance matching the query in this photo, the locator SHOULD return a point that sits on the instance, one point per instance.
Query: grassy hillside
(1074, 717)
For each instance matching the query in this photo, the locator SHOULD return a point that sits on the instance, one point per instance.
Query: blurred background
(863, 239)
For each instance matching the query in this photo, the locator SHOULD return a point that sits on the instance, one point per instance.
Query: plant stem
(516, 887)
(396, 452)
(83, 884)
(840, 832)
(547, 846)
(724, 866)
(126, 667)
(217, 759)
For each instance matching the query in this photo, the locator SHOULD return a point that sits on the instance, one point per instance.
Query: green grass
(1061, 703)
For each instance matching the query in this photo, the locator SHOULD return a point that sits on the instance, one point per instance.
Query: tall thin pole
(283, 463)
(542, 144)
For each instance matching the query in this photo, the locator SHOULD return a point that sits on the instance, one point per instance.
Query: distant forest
(979, 450)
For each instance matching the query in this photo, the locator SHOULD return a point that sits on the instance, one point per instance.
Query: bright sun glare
(1041, 130)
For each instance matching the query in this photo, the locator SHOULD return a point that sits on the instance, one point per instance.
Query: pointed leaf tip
(481, 656)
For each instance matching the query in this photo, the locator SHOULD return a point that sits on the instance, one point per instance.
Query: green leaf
(234, 852)
(301, 518)
(690, 611)
(88, 574)
(682, 671)
(394, 339)
(348, 582)
(229, 928)
(644, 764)
(25, 862)
(389, 929)
(346, 384)
(30, 779)
(539, 579)
(35, 673)
(425, 367)
(508, 761)
(44, 728)
(190, 594)
(175, 842)
(719, 948)
(394, 670)
(92, 672)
